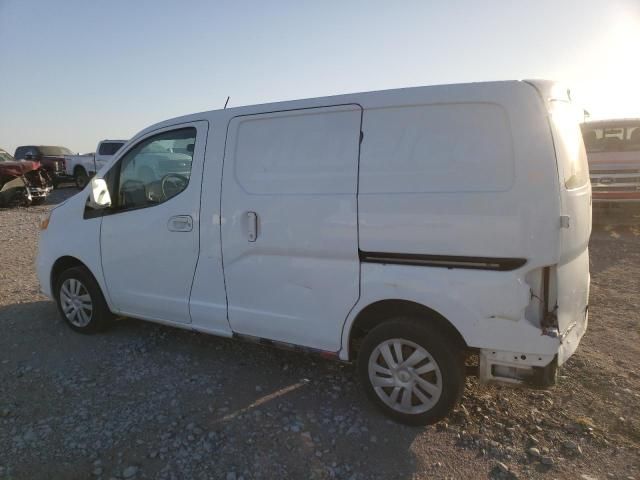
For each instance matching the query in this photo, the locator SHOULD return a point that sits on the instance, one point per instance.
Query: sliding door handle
(252, 230)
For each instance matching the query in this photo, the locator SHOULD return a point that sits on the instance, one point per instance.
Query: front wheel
(413, 373)
(81, 178)
(80, 301)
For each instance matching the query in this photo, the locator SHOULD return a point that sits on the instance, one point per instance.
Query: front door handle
(252, 227)
(180, 223)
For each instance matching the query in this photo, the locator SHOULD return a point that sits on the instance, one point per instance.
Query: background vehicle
(400, 229)
(22, 182)
(83, 167)
(613, 150)
(15, 192)
(5, 156)
(50, 157)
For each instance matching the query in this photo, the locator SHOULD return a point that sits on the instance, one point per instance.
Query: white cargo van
(401, 229)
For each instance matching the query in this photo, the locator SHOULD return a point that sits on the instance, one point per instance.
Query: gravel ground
(148, 401)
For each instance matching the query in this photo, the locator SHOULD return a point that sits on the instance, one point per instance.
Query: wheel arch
(64, 263)
(379, 311)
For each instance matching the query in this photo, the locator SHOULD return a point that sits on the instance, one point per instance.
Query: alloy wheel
(405, 376)
(76, 302)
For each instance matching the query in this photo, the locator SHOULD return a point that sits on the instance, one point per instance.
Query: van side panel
(438, 148)
(468, 175)
(486, 307)
(480, 182)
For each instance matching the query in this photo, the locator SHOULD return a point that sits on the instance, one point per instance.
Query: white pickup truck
(83, 167)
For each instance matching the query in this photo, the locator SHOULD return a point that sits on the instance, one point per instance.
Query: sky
(73, 72)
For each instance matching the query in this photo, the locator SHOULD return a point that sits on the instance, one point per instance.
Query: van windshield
(612, 138)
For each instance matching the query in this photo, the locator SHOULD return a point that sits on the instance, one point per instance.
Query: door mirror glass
(99, 197)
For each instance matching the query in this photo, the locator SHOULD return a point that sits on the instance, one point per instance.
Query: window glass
(612, 138)
(22, 152)
(109, 148)
(156, 169)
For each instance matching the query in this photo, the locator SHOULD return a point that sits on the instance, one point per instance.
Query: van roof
(545, 88)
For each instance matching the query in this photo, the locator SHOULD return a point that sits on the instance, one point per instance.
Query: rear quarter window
(457, 147)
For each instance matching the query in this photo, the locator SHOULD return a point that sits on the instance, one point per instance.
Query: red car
(50, 157)
(613, 150)
(26, 180)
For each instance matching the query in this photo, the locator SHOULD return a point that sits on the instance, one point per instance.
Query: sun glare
(609, 79)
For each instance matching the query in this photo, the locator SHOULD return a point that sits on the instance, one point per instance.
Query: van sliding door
(289, 229)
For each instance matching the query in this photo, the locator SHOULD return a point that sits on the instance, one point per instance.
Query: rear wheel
(81, 177)
(80, 301)
(414, 374)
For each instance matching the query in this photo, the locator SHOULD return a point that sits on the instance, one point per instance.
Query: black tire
(445, 357)
(99, 318)
(38, 200)
(80, 177)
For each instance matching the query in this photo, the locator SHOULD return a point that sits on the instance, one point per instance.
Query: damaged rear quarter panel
(487, 308)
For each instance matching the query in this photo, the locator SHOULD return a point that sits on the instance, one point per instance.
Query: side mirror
(99, 197)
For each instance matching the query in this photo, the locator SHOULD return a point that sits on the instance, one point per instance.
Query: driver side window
(155, 170)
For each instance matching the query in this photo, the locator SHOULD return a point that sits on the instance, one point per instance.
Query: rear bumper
(531, 370)
(517, 368)
(570, 339)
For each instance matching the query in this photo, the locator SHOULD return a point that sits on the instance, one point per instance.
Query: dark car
(50, 157)
(613, 150)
